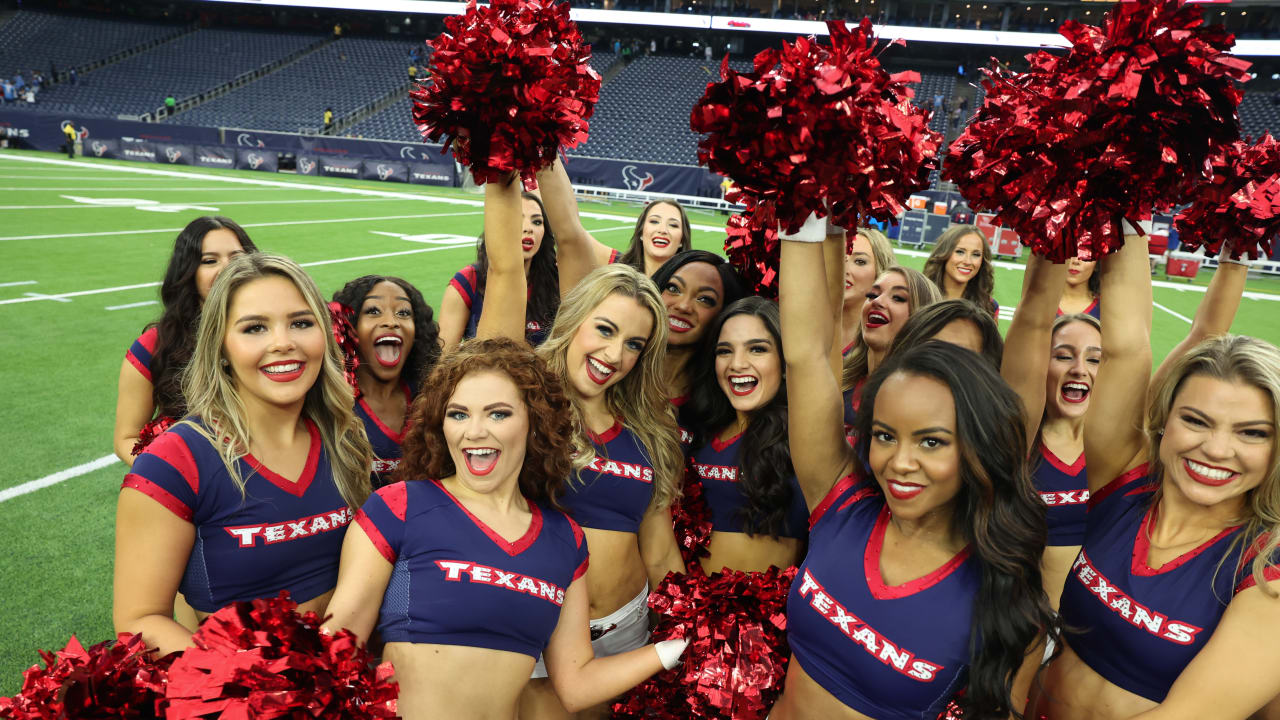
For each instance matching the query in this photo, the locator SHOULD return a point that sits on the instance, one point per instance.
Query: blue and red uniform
(1135, 625)
(686, 437)
(141, 351)
(1094, 309)
(888, 651)
(614, 491)
(467, 282)
(276, 535)
(852, 401)
(457, 582)
(1065, 489)
(385, 441)
(716, 465)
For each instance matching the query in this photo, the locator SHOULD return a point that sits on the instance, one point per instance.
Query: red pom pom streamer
(343, 320)
(510, 85)
(114, 679)
(691, 517)
(812, 128)
(1239, 209)
(1126, 121)
(263, 660)
(150, 432)
(737, 659)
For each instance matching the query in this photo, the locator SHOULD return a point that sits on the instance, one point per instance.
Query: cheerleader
(662, 230)
(1080, 294)
(469, 571)
(1174, 590)
(463, 299)
(958, 322)
(251, 492)
(870, 254)
(606, 347)
(960, 265)
(922, 576)
(398, 345)
(150, 376)
(696, 286)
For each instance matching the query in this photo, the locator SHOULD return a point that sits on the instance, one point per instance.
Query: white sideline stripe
(133, 305)
(73, 206)
(248, 225)
(18, 282)
(1178, 315)
(62, 297)
(60, 476)
(149, 188)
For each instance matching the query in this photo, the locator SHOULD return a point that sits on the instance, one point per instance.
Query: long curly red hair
(548, 446)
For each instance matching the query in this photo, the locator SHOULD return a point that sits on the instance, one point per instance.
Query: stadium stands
(1259, 114)
(344, 75)
(191, 63)
(31, 40)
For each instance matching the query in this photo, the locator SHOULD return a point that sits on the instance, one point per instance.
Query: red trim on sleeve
(468, 295)
(1270, 574)
(578, 535)
(837, 490)
(396, 497)
(582, 569)
(149, 337)
(159, 494)
(137, 364)
(1114, 485)
(613, 256)
(375, 535)
(172, 448)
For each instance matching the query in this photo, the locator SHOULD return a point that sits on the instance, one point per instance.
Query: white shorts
(623, 630)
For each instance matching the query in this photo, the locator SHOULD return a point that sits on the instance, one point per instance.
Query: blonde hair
(640, 397)
(921, 292)
(881, 248)
(1230, 358)
(213, 398)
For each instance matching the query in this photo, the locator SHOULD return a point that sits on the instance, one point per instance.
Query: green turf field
(82, 249)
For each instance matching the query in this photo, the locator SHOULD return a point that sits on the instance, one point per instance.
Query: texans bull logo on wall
(306, 167)
(385, 171)
(173, 153)
(98, 148)
(255, 160)
(633, 180)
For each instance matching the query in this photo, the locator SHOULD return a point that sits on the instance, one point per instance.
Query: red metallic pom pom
(1239, 209)
(737, 658)
(1126, 121)
(150, 432)
(812, 128)
(510, 85)
(343, 320)
(691, 517)
(113, 679)
(263, 660)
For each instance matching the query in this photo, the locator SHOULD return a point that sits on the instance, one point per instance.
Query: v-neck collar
(299, 488)
(875, 581)
(524, 542)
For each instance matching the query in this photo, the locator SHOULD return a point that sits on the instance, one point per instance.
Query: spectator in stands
(413, 72)
(7, 91)
(337, 30)
(69, 129)
(328, 119)
(937, 102)
(170, 103)
(73, 76)
(30, 95)
(19, 82)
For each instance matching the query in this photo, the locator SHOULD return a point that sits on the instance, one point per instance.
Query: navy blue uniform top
(140, 352)
(1135, 625)
(1065, 489)
(716, 464)
(457, 582)
(385, 441)
(466, 282)
(280, 535)
(888, 651)
(614, 491)
(1094, 309)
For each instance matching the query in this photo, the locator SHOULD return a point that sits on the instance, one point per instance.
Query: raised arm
(577, 252)
(1113, 439)
(1214, 316)
(1026, 346)
(506, 293)
(819, 451)
(833, 259)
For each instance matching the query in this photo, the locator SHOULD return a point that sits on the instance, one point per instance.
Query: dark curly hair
(764, 462)
(544, 275)
(547, 449)
(929, 321)
(426, 333)
(176, 328)
(997, 511)
(979, 288)
(634, 254)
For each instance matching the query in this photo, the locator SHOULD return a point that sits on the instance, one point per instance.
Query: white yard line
(133, 305)
(1178, 315)
(71, 206)
(19, 282)
(60, 476)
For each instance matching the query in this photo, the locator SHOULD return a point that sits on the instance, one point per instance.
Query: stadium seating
(31, 40)
(192, 63)
(392, 123)
(1259, 114)
(344, 75)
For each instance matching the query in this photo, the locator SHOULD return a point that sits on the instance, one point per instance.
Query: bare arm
(819, 451)
(577, 252)
(580, 679)
(1113, 439)
(1214, 316)
(454, 314)
(506, 286)
(833, 259)
(152, 549)
(134, 408)
(363, 575)
(658, 547)
(1234, 674)
(1026, 347)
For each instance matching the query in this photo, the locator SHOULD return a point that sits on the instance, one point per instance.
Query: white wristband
(669, 652)
(1224, 258)
(814, 230)
(1127, 229)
